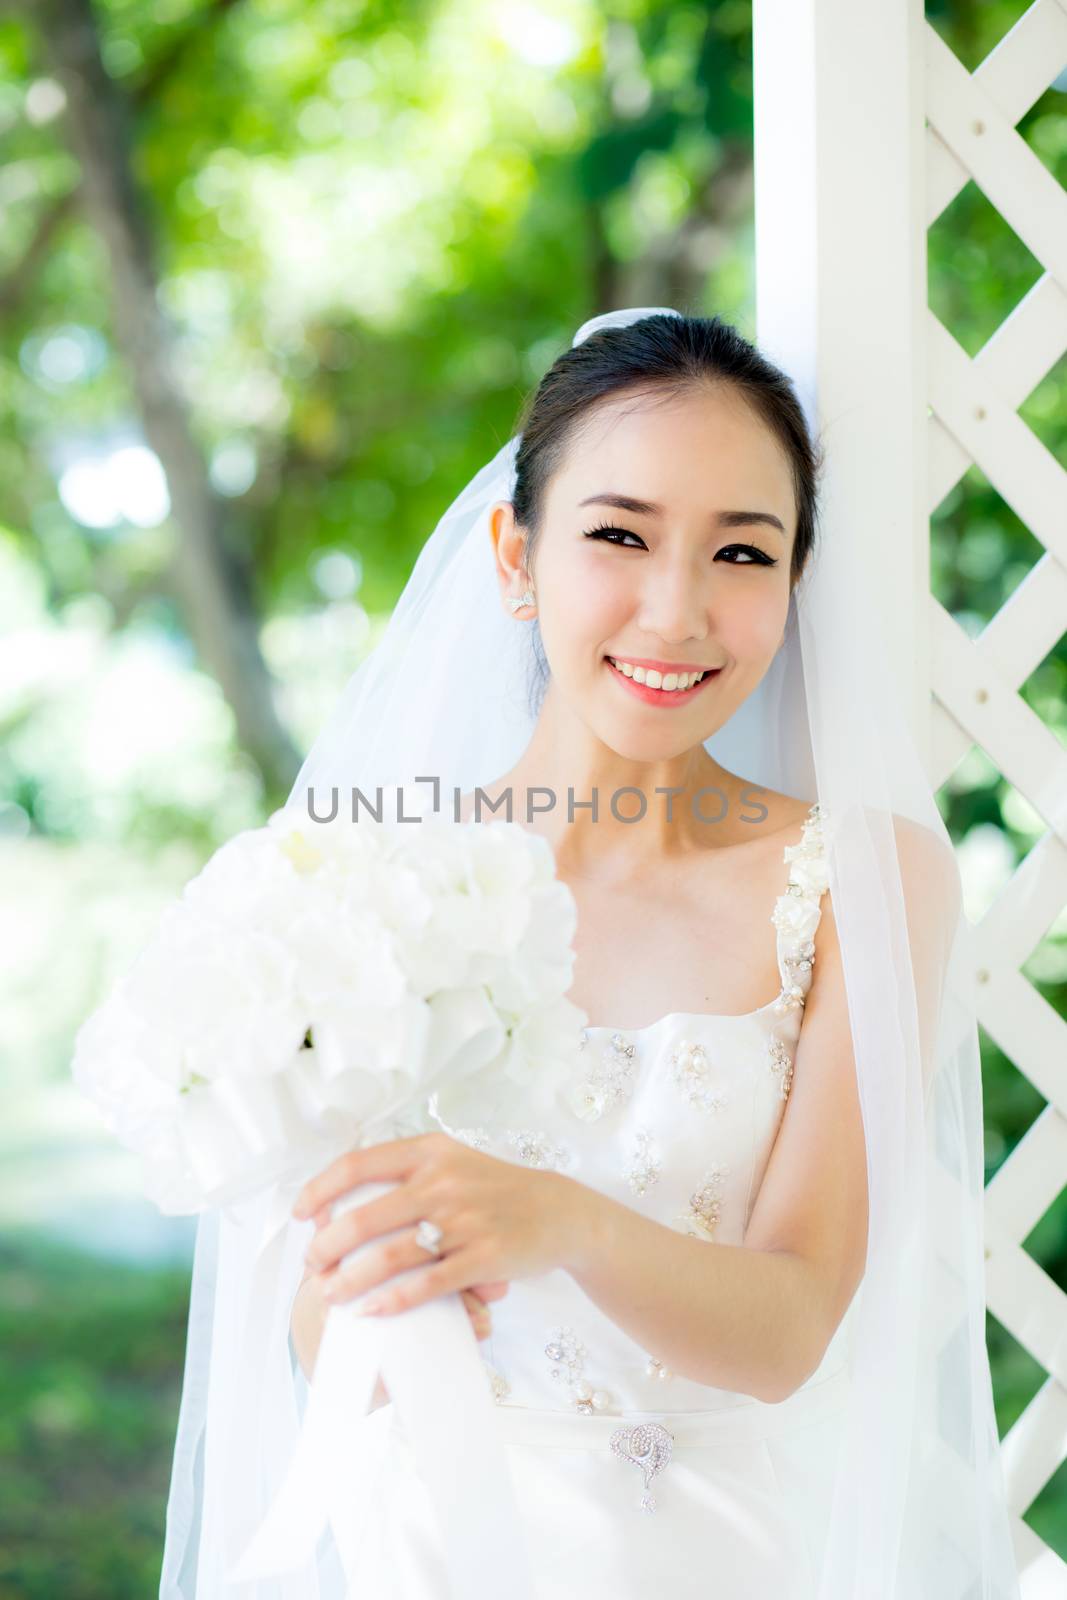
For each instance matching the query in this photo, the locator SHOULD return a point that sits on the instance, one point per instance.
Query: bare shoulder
(928, 870)
(919, 847)
(924, 853)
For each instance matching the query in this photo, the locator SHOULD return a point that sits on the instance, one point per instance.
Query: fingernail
(367, 1308)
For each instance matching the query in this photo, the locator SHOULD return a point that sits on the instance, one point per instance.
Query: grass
(89, 1388)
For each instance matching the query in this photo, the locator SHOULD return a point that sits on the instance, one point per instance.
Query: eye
(760, 560)
(601, 532)
(608, 533)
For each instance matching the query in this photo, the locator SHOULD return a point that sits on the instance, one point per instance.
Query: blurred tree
(364, 266)
(210, 576)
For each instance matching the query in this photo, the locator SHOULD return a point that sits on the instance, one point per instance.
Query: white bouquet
(319, 985)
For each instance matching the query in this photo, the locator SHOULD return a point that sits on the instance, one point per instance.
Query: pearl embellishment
(609, 1080)
(568, 1353)
(645, 1170)
(691, 1072)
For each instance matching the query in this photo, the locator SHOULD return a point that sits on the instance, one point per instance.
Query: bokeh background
(274, 280)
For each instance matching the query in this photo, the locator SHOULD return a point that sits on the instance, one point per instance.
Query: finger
(355, 1227)
(490, 1291)
(392, 1159)
(449, 1275)
(399, 1254)
(372, 1268)
(476, 1309)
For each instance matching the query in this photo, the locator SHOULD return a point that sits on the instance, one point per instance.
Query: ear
(509, 548)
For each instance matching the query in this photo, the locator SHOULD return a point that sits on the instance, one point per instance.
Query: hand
(310, 1311)
(475, 1299)
(498, 1220)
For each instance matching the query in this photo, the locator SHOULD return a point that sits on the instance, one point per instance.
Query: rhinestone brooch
(649, 1447)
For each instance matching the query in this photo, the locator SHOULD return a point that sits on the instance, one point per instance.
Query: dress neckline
(714, 1016)
(687, 1016)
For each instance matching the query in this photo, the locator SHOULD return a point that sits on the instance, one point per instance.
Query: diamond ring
(429, 1236)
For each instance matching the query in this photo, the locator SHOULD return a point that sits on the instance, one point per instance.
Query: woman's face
(696, 578)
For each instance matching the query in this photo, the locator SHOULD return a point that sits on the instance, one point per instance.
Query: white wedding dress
(677, 1119)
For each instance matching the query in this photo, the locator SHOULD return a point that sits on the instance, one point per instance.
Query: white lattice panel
(971, 133)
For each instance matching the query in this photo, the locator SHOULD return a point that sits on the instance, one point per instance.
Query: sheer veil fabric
(919, 1509)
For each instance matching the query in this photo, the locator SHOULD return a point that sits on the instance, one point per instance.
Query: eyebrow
(649, 508)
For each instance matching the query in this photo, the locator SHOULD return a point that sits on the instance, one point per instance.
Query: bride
(736, 1336)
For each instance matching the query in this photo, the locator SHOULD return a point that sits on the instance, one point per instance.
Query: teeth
(655, 680)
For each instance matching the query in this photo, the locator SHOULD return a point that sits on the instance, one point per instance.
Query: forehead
(705, 449)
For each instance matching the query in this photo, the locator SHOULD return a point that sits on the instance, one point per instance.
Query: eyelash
(608, 527)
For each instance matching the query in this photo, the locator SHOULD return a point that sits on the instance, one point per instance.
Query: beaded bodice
(676, 1119)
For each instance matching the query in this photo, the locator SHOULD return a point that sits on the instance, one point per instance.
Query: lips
(664, 698)
(664, 668)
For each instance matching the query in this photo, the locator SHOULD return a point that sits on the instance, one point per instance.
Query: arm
(755, 1317)
(758, 1317)
(716, 1313)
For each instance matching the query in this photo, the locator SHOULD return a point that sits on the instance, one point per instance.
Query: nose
(675, 602)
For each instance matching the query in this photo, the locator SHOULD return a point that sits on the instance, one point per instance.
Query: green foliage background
(373, 228)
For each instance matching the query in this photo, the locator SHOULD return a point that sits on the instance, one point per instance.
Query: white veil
(919, 1509)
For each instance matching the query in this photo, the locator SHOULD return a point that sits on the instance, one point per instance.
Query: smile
(655, 688)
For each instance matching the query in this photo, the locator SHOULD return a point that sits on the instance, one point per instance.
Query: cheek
(585, 604)
(751, 625)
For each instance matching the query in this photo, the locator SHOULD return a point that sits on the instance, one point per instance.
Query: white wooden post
(866, 127)
(841, 276)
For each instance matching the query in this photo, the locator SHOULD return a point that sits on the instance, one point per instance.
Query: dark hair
(664, 356)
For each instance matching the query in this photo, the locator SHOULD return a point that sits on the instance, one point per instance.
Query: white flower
(232, 1003)
(318, 984)
(811, 872)
(796, 914)
(585, 1101)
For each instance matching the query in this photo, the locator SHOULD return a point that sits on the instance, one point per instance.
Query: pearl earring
(526, 599)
